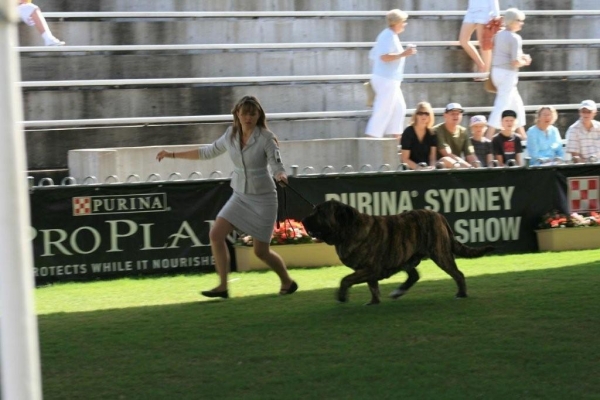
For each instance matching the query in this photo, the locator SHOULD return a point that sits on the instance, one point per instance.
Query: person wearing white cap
(32, 16)
(453, 141)
(388, 57)
(544, 143)
(507, 58)
(583, 137)
(481, 144)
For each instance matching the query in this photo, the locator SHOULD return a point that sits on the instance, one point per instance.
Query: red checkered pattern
(584, 193)
(82, 206)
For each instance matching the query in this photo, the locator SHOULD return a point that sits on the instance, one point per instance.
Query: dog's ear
(344, 213)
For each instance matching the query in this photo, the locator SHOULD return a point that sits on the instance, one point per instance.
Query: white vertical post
(18, 323)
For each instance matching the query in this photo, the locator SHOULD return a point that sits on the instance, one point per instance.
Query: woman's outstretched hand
(162, 154)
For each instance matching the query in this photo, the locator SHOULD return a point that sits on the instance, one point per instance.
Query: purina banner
(101, 231)
(91, 232)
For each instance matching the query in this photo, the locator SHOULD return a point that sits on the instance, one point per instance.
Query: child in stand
(481, 144)
(506, 144)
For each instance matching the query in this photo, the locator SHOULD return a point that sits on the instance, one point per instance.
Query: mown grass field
(529, 330)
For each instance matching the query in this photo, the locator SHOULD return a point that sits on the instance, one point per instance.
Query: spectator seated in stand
(544, 143)
(481, 144)
(453, 142)
(507, 145)
(583, 137)
(419, 143)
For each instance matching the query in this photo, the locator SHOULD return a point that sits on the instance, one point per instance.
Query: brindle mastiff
(378, 247)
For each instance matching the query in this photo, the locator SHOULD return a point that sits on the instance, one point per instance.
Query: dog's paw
(341, 297)
(397, 293)
(461, 296)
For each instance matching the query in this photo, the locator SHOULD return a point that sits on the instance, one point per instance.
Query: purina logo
(119, 204)
(584, 193)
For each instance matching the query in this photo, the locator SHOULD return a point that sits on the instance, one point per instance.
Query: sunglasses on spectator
(423, 113)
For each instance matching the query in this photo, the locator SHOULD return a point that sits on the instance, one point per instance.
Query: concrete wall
(147, 65)
(74, 103)
(48, 148)
(126, 161)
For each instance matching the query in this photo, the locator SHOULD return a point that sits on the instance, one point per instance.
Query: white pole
(18, 324)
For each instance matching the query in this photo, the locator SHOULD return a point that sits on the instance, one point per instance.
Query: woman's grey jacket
(251, 173)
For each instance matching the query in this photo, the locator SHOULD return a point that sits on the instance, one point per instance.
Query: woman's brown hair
(247, 104)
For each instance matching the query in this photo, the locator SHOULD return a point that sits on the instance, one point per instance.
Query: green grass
(529, 330)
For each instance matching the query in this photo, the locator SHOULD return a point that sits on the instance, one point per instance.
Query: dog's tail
(469, 252)
(466, 251)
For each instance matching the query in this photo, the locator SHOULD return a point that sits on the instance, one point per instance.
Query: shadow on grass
(531, 333)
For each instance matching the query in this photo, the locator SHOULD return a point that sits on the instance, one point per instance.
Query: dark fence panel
(107, 231)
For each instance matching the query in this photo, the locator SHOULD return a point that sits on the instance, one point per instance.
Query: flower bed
(292, 243)
(560, 231)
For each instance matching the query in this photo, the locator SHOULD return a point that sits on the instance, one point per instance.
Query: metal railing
(287, 14)
(306, 171)
(285, 79)
(276, 46)
(228, 117)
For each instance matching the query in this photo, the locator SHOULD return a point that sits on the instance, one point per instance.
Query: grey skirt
(253, 214)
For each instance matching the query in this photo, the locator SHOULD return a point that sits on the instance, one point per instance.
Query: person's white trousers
(507, 97)
(389, 108)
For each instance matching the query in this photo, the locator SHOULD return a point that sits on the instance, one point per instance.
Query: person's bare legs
(263, 251)
(486, 55)
(218, 236)
(466, 31)
(39, 21)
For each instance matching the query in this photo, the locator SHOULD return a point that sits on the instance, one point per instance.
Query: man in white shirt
(583, 137)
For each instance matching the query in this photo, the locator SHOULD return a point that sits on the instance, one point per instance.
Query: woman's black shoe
(293, 287)
(224, 294)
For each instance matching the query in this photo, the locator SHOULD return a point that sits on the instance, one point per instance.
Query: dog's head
(329, 221)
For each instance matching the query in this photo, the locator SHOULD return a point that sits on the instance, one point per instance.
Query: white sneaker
(54, 42)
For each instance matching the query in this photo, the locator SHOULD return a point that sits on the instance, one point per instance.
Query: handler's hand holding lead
(281, 177)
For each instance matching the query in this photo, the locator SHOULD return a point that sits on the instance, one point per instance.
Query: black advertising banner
(87, 232)
(501, 206)
(101, 231)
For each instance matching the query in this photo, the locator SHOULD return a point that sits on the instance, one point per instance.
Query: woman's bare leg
(218, 236)
(466, 31)
(486, 55)
(274, 261)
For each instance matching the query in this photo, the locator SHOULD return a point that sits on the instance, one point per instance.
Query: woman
(419, 144)
(388, 56)
(507, 58)
(32, 16)
(479, 13)
(544, 143)
(253, 206)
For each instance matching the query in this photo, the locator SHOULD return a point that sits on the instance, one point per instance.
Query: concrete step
(286, 30)
(304, 5)
(285, 62)
(82, 103)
